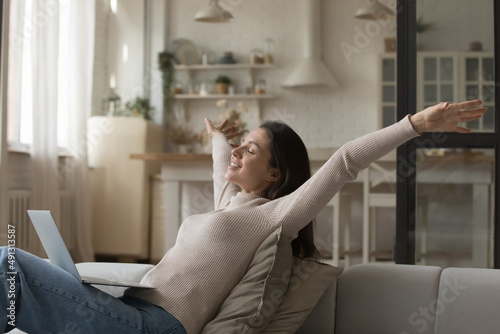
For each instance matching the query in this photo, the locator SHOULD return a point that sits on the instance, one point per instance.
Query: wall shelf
(241, 71)
(224, 66)
(223, 96)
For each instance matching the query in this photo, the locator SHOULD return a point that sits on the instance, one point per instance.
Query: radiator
(25, 235)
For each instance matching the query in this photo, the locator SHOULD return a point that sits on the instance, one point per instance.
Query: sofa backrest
(384, 298)
(468, 302)
(407, 299)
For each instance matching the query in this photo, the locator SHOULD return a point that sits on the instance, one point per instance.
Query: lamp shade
(373, 11)
(214, 13)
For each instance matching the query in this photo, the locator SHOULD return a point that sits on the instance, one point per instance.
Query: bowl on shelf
(227, 58)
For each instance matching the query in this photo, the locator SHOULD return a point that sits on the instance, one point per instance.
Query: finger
(467, 104)
(444, 106)
(232, 134)
(469, 118)
(471, 112)
(222, 124)
(462, 130)
(209, 125)
(232, 128)
(478, 111)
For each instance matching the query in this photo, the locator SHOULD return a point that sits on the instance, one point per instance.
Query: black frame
(1, 31)
(406, 153)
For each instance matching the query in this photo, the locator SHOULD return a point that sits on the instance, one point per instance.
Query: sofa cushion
(469, 301)
(253, 302)
(308, 281)
(320, 320)
(388, 299)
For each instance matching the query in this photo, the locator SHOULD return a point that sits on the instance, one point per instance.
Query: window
(24, 27)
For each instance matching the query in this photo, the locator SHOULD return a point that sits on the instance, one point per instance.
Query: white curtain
(61, 59)
(42, 56)
(81, 24)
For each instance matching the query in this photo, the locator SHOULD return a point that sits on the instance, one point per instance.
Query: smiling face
(249, 168)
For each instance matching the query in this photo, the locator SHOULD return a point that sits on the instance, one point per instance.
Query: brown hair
(289, 156)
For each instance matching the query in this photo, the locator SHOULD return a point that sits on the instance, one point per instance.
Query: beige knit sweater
(213, 250)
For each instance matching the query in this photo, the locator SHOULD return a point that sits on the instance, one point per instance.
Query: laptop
(58, 253)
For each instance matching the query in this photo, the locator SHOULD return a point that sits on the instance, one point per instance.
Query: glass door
(454, 216)
(448, 204)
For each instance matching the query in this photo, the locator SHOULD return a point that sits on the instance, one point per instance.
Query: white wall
(457, 23)
(323, 117)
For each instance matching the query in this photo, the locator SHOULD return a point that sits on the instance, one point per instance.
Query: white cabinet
(442, 76)
(478, 80)
(437, 78)
(387, 74)
(119, 185)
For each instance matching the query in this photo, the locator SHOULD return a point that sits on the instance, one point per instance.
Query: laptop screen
(52, 241)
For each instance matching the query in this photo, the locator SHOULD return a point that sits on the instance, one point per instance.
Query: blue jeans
(39, 297)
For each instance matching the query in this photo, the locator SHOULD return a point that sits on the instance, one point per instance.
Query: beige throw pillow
(253, 302)
(309, 280)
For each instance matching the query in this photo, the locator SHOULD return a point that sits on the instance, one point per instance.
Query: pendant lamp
(214, 13)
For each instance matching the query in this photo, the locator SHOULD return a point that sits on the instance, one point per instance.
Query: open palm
(445, 117)
(229, 131)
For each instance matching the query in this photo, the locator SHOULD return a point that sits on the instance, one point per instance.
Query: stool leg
(373, 232)
(366, 218)
(347, 232)
(422, 208)
(336, 230)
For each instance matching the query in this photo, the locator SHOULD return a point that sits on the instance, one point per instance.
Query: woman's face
(249, 168)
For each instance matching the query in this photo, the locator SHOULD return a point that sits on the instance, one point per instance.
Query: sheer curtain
(80, 27)
(57, 50)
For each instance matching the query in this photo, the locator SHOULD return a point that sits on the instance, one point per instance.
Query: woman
(259, 186)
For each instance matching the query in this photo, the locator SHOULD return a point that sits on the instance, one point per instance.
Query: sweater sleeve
(297, 209)
(221, 155)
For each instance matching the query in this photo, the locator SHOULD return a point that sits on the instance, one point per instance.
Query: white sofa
(384, 298)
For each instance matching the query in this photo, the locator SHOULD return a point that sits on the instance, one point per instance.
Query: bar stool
(371, 202)
(341, 200)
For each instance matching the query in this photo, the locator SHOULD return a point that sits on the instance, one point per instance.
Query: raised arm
(221, 155)
(297, 209)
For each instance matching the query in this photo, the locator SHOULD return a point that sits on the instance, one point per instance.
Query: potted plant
(421, 27)
(182, 137)
(222, 83)
(140, 107)
(166, 65)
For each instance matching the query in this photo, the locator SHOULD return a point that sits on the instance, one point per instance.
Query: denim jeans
(39, 297)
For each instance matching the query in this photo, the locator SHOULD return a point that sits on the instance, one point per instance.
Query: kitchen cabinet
(442, 76)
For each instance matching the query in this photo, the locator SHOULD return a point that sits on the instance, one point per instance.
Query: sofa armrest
(132, 272)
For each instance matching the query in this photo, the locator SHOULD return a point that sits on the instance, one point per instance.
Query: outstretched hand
(446, 117)
(230, 131)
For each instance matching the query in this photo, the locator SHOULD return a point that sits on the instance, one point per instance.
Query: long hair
(289, 156)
